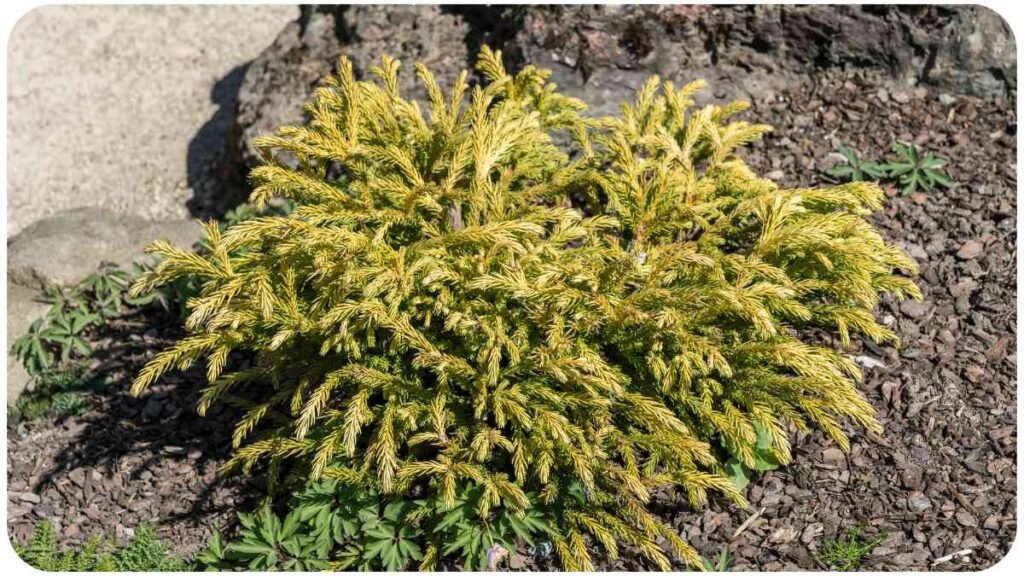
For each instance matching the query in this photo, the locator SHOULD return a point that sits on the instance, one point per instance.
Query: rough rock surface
(69, 246)
(22, 310)
(284, 76)
(603, 53)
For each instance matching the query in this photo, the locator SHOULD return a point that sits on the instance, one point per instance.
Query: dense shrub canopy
(459, 302)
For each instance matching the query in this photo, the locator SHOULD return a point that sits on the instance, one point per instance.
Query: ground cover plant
(143, 553)
(461, 311)
(912, 169)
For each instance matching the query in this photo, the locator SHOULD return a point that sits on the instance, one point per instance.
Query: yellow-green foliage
(459, 301)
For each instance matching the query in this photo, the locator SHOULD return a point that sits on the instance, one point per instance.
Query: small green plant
(34, 348)
(65, 404)
(61, 334)
(214, 558)
(66, 331)
(845, 554)
(107, 290)
(60, 391)
(911, 169)
(914, 170)
(765, 458)
(855, 169)
(144, 553)
(331, 525)
(147, 553)
(267, 543)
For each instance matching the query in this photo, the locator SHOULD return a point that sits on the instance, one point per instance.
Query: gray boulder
(67, 247)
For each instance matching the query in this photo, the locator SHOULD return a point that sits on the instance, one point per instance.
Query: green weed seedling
(845, 554)
(856, 168)
(914, 170)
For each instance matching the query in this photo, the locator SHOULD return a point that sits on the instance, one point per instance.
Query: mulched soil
(128, 460)
(941, 479)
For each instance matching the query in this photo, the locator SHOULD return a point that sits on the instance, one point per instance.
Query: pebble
(18, 511)
(27, 497)
(998, 465)
(970, 250)
(783, 535)
(93, 512)
(966, 519)
(917, 502)
(917, 252)
(912, 477)
(914, 308)
(963, 288)
(975, 374)
(812, 532)
(903, 559)
(833, 455)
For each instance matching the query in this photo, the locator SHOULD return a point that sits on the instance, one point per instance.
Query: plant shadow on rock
(215, 172)
(157, 437)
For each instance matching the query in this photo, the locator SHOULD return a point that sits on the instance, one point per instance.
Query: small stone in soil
(811, 532)
(966, 519)
(917, 502)
(970, 250)
(833, 455)
(27, 497)
(913, 308)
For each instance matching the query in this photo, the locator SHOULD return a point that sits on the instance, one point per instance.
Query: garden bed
(941, 478)
(936, 490)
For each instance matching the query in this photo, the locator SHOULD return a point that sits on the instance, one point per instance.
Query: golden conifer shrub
(457, 301)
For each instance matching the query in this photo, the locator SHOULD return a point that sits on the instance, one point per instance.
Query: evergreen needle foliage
(457, 303)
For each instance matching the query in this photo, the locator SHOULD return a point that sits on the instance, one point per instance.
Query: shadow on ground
(130, 460)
